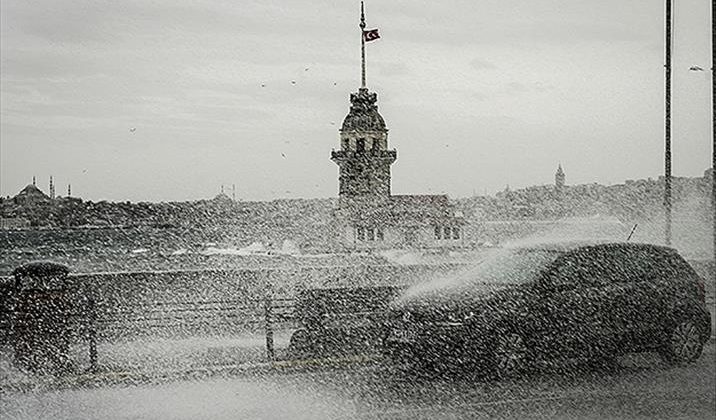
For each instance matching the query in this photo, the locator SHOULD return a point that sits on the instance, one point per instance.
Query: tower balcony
(343, 155)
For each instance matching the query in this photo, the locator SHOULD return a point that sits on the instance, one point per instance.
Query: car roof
(569, 246)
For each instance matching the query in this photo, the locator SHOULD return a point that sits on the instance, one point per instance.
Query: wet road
(640, 387)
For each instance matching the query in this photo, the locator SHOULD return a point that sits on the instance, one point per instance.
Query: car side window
(577, 270)
(628, 265)
(563, 275)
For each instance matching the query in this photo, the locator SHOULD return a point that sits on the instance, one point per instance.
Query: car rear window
(634, 264)
(670, 265)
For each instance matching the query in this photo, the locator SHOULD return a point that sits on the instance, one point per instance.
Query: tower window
(456, 232)
(369, 233)
(360, 145)
(374, 146)
(438, 232)
(346, 144)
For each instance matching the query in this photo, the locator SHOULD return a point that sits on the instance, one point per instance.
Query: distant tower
(364, 158)
(52, 189)
(34, 181)
(69, 190)
(559, 177)
(233, 192)
(559, 180)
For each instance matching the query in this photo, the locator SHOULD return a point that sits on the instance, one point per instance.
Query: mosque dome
(30, 194)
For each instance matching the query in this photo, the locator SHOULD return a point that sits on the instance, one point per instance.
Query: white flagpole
(362, 45)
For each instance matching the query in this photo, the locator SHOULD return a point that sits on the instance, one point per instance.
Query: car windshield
(514, 266)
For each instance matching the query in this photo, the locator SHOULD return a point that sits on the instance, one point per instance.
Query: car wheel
(683, 343)
(510, 355)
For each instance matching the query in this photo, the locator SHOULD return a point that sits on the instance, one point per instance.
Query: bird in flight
(696, 68)
(293, 82)
(133, 129)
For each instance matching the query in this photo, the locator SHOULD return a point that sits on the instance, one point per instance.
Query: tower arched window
(360, 145)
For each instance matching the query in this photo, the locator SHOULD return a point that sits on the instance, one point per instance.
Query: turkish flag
(370, 35)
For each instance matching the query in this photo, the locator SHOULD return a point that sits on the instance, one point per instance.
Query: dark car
(559, 301)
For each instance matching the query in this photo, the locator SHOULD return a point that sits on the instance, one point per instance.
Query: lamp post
(713, 120)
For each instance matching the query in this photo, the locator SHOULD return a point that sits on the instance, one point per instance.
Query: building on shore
(368, 215)
(14, 223)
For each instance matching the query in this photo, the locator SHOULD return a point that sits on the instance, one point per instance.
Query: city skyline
(165, 101)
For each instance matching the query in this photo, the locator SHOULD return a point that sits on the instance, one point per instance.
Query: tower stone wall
(363, 158)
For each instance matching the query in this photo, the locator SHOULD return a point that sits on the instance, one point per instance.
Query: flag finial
(362, 16)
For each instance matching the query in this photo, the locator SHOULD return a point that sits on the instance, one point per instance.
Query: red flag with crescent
(370, 35)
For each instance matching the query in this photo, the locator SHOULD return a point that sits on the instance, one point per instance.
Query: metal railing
(93, 322)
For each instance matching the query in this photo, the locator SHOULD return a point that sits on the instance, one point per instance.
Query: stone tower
(559, 178)
(363, 158)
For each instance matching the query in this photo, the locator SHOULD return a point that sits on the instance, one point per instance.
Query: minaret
(559, 178)
(559, 186)
(69, 190)
(34, 181)
(363, 158)
(52, 189)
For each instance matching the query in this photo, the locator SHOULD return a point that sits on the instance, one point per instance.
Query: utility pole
(667, 127)
(713, 133)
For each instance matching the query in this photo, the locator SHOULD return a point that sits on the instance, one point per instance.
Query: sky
(166, 100)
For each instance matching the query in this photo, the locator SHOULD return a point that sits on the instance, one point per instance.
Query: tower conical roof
(363, 114)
